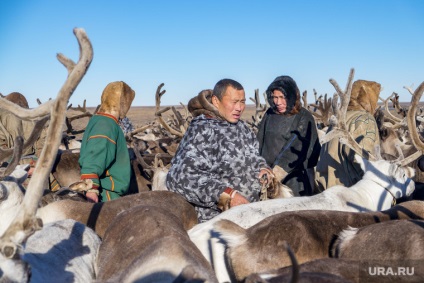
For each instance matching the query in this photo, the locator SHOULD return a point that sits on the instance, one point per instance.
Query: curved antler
(412, 126)
(25, 223)
(159, 112)
(341, 132)
(386, 108)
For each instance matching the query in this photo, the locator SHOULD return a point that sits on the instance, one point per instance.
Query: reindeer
(377, 246)
(298, 273)
(98, 215)
(382, 183)
(362, 243)
(310, 234)
(154, 248)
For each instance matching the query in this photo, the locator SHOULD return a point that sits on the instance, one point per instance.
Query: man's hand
(92, 197)
(265, 173)
(230, 198)
(238, 199)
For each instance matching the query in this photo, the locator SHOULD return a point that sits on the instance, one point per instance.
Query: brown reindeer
(150, 244)
(310, 234)
(98, 216)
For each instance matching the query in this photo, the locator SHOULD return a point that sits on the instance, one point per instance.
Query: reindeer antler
(305, 99)
(180, 132)
(325, 110)
(341, 132)
(412, 126)
(259, 109)
(25, 222)
(395, 119)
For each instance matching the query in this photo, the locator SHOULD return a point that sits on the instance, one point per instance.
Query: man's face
(232, 104)
(279, 101)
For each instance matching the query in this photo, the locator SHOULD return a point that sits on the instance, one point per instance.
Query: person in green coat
(104, 156)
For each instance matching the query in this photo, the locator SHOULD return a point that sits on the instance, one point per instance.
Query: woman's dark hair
(291, 92)
(222, 85)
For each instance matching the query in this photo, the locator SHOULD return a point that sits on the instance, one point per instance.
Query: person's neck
(113, 113)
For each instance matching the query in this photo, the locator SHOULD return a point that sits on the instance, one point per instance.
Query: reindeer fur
(98, 216)
(309, 233)
(155, 247)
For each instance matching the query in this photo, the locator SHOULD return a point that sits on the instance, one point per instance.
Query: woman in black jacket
(288, 138)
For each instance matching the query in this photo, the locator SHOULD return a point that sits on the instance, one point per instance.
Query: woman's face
(279, 101)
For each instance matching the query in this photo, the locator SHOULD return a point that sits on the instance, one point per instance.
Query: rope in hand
(264, 188)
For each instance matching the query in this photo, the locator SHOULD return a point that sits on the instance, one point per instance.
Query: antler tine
(396, 104)
(186, 112)
(159, 112)
(25, 222)
(305, 99)
(324, 107)
(68, 63)
(412, 123)
(259, 109)
(335, 104)
(180, 122)
(412, 127)
(140, 158)
(400, 153)
(79, 108)
(386, 108)
(344, 98)
(409, 89)
(266, 100)
(257, 101)
(158, 96)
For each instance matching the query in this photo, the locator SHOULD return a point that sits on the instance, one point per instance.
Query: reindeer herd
(152, 235)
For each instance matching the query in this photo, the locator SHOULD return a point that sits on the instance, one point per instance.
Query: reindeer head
(395, 178)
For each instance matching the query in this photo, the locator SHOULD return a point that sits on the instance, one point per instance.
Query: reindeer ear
(362, 161)
(20, 173)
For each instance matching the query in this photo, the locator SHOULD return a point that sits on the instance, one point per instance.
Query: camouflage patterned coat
(213, 155)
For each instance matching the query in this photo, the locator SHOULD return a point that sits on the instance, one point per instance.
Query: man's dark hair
(221, 87)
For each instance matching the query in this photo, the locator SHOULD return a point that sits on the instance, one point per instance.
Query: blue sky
(190, 45)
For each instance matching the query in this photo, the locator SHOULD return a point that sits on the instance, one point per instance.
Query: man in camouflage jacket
(218, 156)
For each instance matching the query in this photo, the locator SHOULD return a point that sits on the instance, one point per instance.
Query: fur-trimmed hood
(202, 104)
(290, 90)
(364, 96)
(116, 99)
